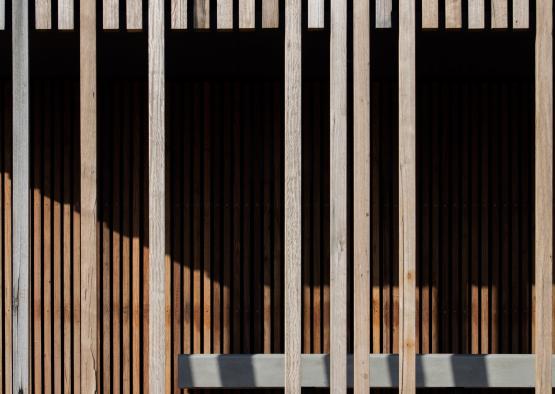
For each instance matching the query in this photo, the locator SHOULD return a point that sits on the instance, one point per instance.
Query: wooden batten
(384, 8)
(2, 14)
(134, 14)
(110, 14)
(201, 14)
(476, 14)
(430, 14)
(292, 195)
(65, 14)
(270, 14)
(224, 16)
(499, 14)
(179, 14)
(247, 14)
(316, 14)
(453, 14)
(338, 197)
(43, 14)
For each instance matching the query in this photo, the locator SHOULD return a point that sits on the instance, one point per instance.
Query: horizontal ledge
(432, 370)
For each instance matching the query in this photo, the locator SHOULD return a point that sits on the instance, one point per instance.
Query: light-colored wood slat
(407, 197)
(384, 8)
(338, 197)
(316, 17)
(270, 14)
(430, 14)
(43, 14)
(361, 193)
(2, 14)
(65, 14)
(453, 14)
(21, 199)
(156, 198)
(476, 14)
(88, 233)
(521, 14)
(110, 14)
(292, 195)
(202, 14)
(247, 14)
(134, 14)
(499, 14)
(543, 194)
(179, 14)
(7, 256)
(224, 14)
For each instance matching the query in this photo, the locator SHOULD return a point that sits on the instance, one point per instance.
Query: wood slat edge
(43, 14)
(476, 14)
(110, 14)
(179, 14)
(521, 14)
(2, 14)
(453, 14)
(292, 195)
(247, 14)
(384, 8)
(270, 14)
(202, 14)
(224, 14)
(134, 14)
(430, 14)
(316, 17)
(65, 14)
(499, 14)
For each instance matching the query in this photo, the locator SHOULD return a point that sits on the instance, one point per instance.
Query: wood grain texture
(476, 14)
(270, 14)
(453, 14)
(247, 17)
(499, 14)
(292, 194)
(430, 13)
(407, 197)
(66, 12)
(224, 14)
(521, 14)
(43, 14)
(316, 17)
(361, 194)
(384, 9)
(543, 235)
(201, 14)
(2, 14)
(178, 14)
(21, 200)
(338, 197)
(156, 198)
(89, 262)
(110, 14)
(134, 14)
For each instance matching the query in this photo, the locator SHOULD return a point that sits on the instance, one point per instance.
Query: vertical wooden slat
(156, 197)
(292, 195)
(57, 243)
(76, 251)
(384, 8)
(134, 14)
(543, 194)
(453, 14)
(65, 14)
(521, 14)
(316, 9)
(430, 14)
(338, 197)
(2, 14)
(499, 14)
(47, 242)
(224, 14)
(179, 14)
(270, 14)
(110, 14)
(89, 271)
(21, 199)
(407, 197)
(43, 14)
(247, 14)
(361, 193)
(476, 14)
(202, 14)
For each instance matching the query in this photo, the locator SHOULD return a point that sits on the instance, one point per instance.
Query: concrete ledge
(432, 370)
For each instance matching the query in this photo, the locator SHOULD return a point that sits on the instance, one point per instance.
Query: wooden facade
(273, 177)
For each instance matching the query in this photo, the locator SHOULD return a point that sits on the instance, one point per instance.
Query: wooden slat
(521, 14)
(361, 193)
(179, 14)
(247, 14)
(89, 270)
(499, 14)
(384, 9)
(453, 14)
(338, 197)
(270, 14)
(430, 14)
(2, 14)
(65, 14)
(316, 18)
(21, 199)
(476, 14)
(156, 198)
(407, 197)
(43, 14)
(543, 194)
(224, 14)
(134, 14)
(292, 194)
(202, 14)
(110, 14)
